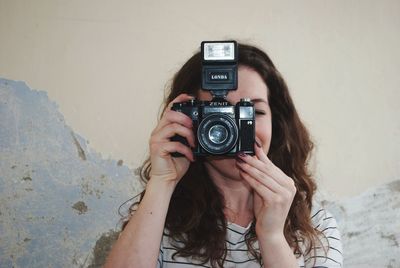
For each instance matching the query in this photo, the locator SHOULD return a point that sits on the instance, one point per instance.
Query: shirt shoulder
(327, 252)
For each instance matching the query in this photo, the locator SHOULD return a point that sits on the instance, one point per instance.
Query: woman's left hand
(273, 193)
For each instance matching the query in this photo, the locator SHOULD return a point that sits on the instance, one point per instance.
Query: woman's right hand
(164, 167)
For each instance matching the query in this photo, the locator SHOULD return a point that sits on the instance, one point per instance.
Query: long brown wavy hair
(195, 215)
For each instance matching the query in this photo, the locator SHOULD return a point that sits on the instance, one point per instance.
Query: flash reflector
(219, 51)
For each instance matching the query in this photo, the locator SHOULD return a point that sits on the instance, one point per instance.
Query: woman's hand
(164, 167)
(273, 193)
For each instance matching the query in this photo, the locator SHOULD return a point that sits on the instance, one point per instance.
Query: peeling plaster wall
(370, 226)
(59, 199)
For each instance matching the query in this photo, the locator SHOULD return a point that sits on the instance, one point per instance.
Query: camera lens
(217, 134)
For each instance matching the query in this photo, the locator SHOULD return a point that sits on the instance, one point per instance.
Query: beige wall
(106, 63)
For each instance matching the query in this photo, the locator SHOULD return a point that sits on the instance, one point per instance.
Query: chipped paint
(102, 248)
(80, 207)
(57, 195)
(81, 152)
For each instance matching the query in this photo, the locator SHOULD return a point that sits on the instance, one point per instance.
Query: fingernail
(241, 154)
(238, 159)
(259, 146)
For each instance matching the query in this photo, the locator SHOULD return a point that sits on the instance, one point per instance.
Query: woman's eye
(260, 112)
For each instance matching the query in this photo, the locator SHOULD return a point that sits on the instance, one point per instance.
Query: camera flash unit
(219, 67)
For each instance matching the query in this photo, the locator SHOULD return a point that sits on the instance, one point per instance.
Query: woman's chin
(225, 166)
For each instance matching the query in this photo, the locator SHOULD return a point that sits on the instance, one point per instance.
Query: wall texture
(59, 198)
(106, 63)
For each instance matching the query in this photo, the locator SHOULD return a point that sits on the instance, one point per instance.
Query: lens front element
(217, 134)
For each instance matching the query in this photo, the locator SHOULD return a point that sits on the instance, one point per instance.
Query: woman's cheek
(264, 132)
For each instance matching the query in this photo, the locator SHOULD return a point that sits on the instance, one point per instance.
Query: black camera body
(220, 128)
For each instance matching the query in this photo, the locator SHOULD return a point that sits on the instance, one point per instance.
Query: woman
(248, 211)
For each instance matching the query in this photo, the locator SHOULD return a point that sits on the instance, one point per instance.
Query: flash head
(219, 67)
(219, 51)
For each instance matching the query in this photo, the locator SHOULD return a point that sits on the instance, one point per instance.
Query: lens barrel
(217, 134)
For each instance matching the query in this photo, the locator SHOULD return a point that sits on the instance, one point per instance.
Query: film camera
(219, 127)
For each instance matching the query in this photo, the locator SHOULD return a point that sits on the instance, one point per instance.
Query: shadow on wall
(59, 199)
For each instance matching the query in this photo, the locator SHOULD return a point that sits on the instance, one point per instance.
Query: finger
(171, 130)
(259, 152)
(261, 177)
(265, 165)
(165, 149)
(264, 192)
(181, 98)
(171, 116)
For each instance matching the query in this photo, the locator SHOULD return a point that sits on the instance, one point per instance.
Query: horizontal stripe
(235, 244)
(316, 227)
(330, 248)
(324, 257)
(239, 262)
(186, 263)
(228, 249)
(317, 213)
(332, 237)
(236, 231)
(329, 228)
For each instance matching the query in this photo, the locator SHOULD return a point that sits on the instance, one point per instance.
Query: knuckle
(269, 165)
(177, 126)
(151, 140)
(153, 132)
(154, 147)
(288, 197)
(258, 184)
(167, 115)
(278, 200)
(292, 186)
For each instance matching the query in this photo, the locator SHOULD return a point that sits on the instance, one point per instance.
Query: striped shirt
(239, 257)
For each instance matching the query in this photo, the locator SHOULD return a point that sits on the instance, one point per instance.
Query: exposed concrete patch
(351, 234)
(93, 186)
(102, 248)
(81, 207)
(136, 171)
(391, 238)
(394, 186)
(27, 178)
(370, 227)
